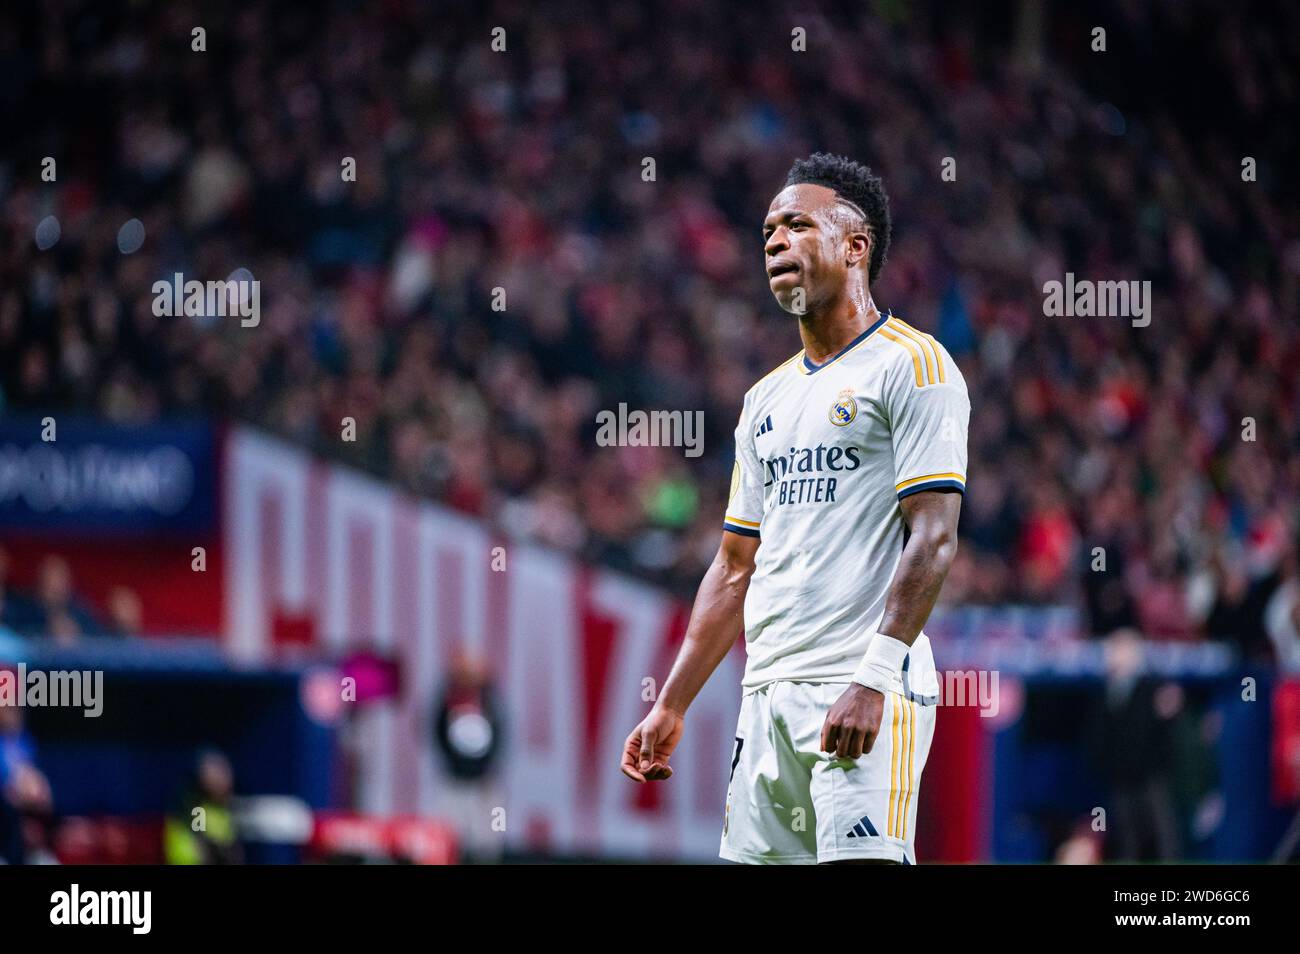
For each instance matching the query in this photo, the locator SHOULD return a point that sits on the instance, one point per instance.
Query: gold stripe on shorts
(911, 762)
(893, 769)
(897, 813)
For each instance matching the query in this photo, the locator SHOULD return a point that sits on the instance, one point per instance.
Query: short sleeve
(745, 501)
(929, 415)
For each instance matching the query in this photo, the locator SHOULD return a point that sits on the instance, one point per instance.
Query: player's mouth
(781, 268)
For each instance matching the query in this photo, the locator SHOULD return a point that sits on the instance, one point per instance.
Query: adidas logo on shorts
(863, 828)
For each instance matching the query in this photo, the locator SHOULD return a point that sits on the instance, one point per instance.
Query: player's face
(804, 247)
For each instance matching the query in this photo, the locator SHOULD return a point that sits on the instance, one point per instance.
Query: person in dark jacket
(1133, 745)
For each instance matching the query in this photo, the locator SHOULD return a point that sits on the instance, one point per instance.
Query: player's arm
(931, 517)
(716, 620)
(854, 721)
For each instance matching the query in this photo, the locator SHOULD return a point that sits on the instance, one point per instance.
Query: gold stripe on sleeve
(934, 346)
(921, 343)
(917, 480)
(911, 348)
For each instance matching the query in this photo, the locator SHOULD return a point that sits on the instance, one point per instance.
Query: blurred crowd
(1175, 448)
(54, 609)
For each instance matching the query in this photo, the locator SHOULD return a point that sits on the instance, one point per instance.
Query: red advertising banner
(343, 564)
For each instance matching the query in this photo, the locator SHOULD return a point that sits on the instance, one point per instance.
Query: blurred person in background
(1236, 614)
(62, 616)
(124, 612)
(468, 730)
(1105, 586)
(1132, 745)
(25, 800)
(200, 829)
(1282, 615)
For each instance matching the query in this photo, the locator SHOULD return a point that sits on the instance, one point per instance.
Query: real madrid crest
(845, 409)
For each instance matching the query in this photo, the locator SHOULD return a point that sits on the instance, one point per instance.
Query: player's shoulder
(913, 356)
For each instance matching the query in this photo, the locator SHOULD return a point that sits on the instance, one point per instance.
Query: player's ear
(859, 247)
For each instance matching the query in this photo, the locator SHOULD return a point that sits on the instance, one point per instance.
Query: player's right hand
(648, 748)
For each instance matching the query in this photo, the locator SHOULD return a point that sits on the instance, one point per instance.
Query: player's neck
(830, 330)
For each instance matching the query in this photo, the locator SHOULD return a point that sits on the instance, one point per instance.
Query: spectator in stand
(1282, 616)
(62, 617)
(124, 612)
(1239, 605)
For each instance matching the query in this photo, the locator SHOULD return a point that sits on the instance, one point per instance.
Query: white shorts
(790, 803)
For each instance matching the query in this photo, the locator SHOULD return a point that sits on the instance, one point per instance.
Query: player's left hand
(853, 723)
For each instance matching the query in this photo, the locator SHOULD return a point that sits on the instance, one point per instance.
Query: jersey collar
(807, 367)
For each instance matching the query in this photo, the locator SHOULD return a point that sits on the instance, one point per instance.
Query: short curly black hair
(855, 182)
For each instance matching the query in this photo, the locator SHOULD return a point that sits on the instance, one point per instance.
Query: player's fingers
(853, 744)
(868, 741)
(647, 749)
(830, 731)
(631, 752)
(845, 744)
(628, 763)
(830, 735)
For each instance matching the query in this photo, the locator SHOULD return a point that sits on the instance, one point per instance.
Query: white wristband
(882, 664)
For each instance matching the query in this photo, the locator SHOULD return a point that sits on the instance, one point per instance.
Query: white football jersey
(824, 454)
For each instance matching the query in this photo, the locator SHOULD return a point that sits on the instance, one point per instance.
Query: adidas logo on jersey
(764, 427)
